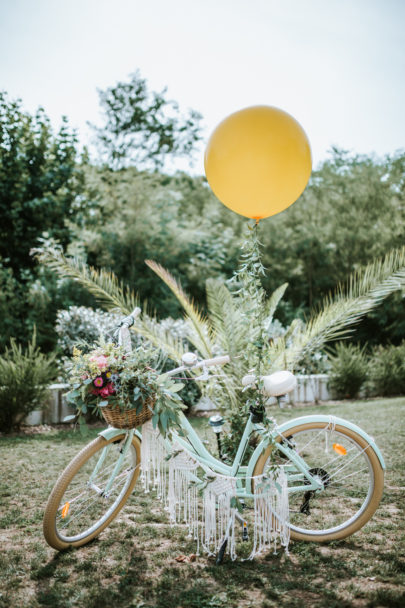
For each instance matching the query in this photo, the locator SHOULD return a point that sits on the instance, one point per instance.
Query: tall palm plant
(224, 329)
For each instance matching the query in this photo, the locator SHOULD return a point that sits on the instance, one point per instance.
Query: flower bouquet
(123, 387)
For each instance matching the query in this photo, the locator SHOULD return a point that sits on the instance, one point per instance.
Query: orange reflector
(65, 510)
(339, 449)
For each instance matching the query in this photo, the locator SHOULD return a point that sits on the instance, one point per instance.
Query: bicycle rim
(79, 507)
(352, 482)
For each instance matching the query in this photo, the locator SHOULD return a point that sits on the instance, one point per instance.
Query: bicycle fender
(282, 428)
(111, 432)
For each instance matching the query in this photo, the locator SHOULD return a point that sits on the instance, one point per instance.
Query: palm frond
(273, 302)
(112, 294)
(364, 291)
(150, 329)
(230, 335)
(225, 317)
(201, 330)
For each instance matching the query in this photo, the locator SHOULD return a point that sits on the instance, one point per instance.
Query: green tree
(41, 190)
(143, 215)
(141, 127)
(351, 212)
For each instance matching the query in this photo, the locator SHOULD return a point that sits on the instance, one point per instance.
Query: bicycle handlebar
(130, 319)
(206, 363)
(216, 361)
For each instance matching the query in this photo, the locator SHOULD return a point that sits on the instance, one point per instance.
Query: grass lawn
(132, 563)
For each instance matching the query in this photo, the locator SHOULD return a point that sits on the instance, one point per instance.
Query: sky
(338, 66)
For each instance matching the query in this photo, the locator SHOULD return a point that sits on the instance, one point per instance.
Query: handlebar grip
(136, 312)
(217, 361)
(130, 319)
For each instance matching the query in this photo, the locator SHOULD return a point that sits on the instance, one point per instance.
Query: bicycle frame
(297, 469)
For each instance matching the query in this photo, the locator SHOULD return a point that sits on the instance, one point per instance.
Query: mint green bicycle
(334, 471)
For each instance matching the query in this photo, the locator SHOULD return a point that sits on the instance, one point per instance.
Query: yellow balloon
(258, 161)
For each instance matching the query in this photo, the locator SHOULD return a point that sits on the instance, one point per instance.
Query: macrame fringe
(212, 519)
(182, 496)
(218, 517)
(153, 464)
(271, 512)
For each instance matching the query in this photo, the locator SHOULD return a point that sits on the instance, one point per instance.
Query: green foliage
(350, 213)
(226, 326)
(11, 304)
(142, 127)
(41, 188)
(40, 182)
(111, 376)
(82, 325)
(152, 216)
(387, 370)
(348, 371)
(25, 375)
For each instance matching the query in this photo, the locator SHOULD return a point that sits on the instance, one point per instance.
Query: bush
(387, 370)
(348, 370)
(83, 325)
(25, 376)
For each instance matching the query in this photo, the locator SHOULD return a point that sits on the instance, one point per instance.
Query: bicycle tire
(72, 488)
(335, 499)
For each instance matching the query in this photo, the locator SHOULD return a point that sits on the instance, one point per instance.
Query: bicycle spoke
(346, 477)
(83, 506)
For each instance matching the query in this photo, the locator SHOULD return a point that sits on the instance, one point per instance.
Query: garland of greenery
(251, 299)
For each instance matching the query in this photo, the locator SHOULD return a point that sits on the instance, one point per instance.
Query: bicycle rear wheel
(352, 479)
(79, 507)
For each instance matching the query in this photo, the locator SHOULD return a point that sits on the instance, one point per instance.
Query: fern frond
(200, 337)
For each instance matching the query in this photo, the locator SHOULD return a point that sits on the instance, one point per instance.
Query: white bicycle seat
(279, 383)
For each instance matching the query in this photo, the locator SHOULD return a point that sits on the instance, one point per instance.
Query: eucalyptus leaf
(177, 387)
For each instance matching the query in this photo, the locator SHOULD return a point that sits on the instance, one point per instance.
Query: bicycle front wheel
(91, 491)
(351, 474)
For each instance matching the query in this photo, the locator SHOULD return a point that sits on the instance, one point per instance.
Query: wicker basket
(127, 419)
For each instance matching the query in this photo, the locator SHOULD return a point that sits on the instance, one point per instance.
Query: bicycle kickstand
(223, 546)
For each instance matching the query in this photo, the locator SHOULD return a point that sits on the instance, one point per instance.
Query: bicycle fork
(104, 493)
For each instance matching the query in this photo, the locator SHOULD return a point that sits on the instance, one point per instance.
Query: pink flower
(98, 381)
(101, 361)
(111, 389)
(104, 392)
